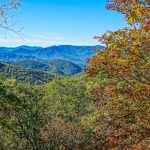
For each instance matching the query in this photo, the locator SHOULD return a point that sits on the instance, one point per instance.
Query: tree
(125, 98)
(67, 102)
(136, 11)
(21, 116)
(67, 98)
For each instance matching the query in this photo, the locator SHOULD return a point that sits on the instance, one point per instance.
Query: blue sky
(59, 22)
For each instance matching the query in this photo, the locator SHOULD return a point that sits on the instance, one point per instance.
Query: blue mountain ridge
(76, 54)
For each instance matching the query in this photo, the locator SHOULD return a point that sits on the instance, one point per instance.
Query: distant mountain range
(38, 65)
(76, 54)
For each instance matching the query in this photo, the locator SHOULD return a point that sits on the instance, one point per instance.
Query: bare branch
(6, 8)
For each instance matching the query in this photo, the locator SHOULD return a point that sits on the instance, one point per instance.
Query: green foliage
(21, 116)
(45, 116)
(67, 98)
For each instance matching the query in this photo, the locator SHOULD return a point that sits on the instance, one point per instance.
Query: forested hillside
(105, 108)
(58, 66)
(63, 67)
(25, 75)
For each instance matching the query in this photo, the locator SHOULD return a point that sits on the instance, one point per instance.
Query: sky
(61, 22)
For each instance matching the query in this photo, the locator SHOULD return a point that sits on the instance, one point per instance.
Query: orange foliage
(126, 61)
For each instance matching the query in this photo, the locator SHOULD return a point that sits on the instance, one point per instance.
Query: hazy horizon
(50, 45)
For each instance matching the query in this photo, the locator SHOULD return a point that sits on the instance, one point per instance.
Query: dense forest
(105, 108)
(31, 76)
(57, 66)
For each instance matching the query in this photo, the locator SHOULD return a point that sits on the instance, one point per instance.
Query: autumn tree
(125, 106)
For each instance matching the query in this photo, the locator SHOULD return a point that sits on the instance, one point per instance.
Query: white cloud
(14, 43)
(42, 39)
(46, 36)
(38, 39)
